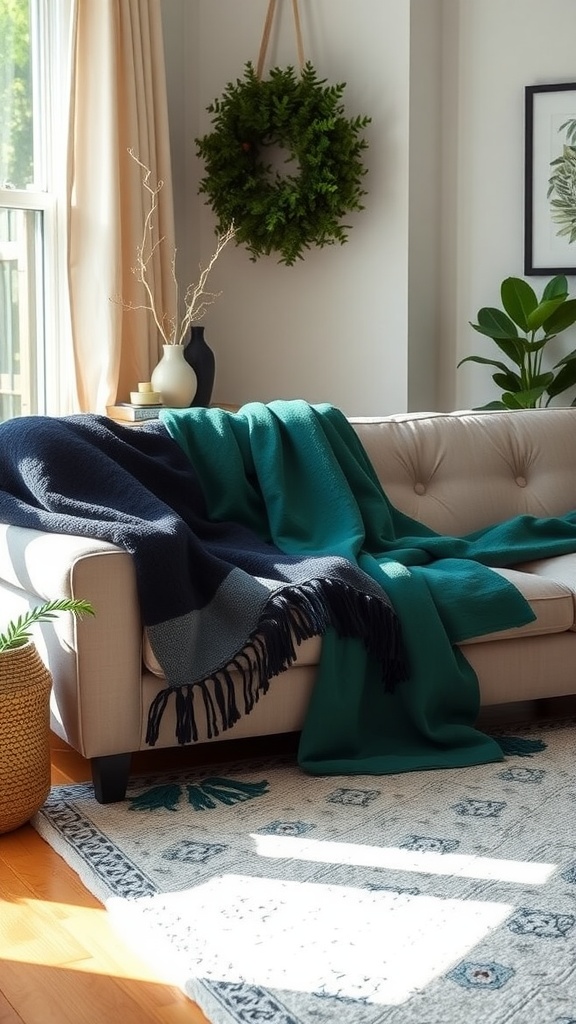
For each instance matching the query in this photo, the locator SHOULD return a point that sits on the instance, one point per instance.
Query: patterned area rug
(274, 897)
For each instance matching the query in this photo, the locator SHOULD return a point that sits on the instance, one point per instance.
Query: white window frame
(50, 27)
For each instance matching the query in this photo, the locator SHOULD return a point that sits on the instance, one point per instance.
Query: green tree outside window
(16, 141)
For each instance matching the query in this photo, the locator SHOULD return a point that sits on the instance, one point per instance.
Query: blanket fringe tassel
(205, 795)
(519, 746)
(292, 615)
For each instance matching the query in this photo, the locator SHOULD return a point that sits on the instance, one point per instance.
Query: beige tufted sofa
(456, 472)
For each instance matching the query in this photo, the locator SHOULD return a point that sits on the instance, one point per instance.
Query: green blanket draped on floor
(298, 476)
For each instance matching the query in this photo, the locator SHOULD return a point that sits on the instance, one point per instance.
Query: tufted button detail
(419, 488)
(521, 481)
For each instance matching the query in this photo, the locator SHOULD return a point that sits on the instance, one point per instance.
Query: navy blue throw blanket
(213, 596)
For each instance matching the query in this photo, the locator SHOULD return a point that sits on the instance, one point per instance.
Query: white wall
(493, 49)
(180, 28)
(377, 325)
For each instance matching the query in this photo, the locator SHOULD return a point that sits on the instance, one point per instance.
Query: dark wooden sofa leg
(110, 777)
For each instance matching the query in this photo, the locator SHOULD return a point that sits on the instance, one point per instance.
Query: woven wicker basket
(25, 685)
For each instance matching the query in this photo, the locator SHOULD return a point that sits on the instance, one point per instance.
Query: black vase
(201, 358)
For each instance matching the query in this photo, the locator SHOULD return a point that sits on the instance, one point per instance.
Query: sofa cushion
(561, 569)
(550, 597)
(462, 471)
(308, 654)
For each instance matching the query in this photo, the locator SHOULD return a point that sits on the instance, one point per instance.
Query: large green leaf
(543, 312)
(487, 362)
(541, 380)
(564, 379)
(514, 348)
(511, 401)
(556, 288)
(535, 346)
(507, 381)
(495, 323)
(523, 399)
(519, 300)
(562, 318)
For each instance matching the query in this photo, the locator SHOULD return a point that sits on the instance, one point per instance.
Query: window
(33, 82)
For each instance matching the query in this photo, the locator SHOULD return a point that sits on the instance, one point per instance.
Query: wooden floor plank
(41, 869)
(61, 960)
(58, 995)
(8, 1014)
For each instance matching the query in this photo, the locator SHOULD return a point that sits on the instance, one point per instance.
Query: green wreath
(275, 213)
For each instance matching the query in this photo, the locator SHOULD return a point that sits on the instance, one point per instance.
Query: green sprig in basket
(25, 684)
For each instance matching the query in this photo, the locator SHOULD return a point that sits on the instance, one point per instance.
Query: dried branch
(196, 299)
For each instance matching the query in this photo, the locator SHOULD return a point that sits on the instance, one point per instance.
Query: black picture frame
(547, 109)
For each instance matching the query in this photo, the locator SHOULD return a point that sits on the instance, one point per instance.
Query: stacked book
(144, 404)
(134, 413)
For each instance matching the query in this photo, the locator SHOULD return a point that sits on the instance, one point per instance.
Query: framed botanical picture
(550, 179)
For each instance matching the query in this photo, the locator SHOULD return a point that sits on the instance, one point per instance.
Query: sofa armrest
(96, 662)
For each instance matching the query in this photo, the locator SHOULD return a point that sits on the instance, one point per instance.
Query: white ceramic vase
(174, 378)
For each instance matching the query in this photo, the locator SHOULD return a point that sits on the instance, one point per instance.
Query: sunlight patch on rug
(378, 947)
(394, 859)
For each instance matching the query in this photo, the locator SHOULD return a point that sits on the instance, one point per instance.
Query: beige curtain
(118, 102)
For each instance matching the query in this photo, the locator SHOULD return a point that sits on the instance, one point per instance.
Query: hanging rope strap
(298, 30)
(266, 35)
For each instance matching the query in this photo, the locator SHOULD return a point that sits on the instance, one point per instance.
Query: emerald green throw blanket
(298, 476)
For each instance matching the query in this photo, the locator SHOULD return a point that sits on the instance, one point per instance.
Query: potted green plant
(25, 684)
(522, 329)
